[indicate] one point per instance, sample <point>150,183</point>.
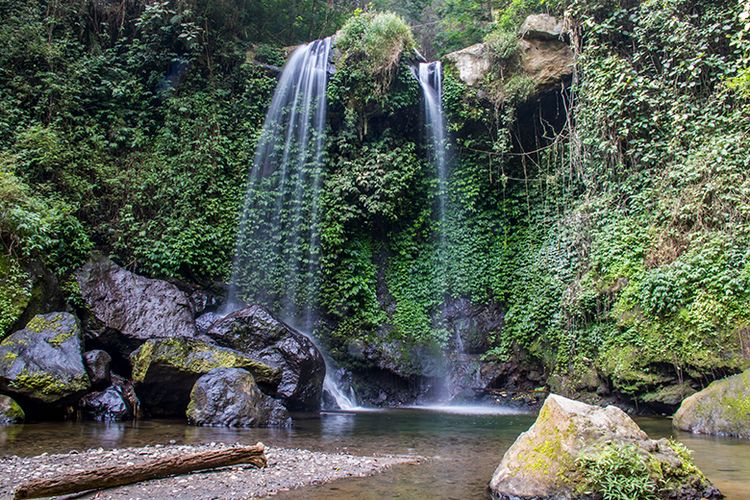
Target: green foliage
<point>619,473</point>
<point>372,43</point>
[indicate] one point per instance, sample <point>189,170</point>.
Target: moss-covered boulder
<point>10,411</point>
<point>44,362</point>
<point>165,370</point>
<point>229,397</point>
<point>722,408</point>
<point>575,450</point>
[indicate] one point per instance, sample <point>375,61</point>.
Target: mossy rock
<point>43,362</point>
<point>165,370</point>
<point>722,409</point>
<point>561,454</point>
<point>10,411</point>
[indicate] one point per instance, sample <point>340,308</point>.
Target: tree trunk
<point>107,477</point>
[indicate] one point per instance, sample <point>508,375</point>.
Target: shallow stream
<point>463,447</point>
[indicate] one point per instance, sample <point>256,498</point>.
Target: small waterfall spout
<point>276,259</point>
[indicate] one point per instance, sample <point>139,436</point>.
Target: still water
<point>463,447</point>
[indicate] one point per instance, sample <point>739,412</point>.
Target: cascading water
<point>430,79</point>
<point>277,252</point>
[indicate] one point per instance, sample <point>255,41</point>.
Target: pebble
<point>287,469</point>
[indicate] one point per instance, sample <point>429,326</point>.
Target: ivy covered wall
<point>606,226</point>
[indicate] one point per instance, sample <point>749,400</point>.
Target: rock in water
<point>116,402</point>
<point>575,450</point>
<point>230,397</point>
<point>165,370</point>
<point>722,408</point>
<point>43,362</point>
<point>98,367</point>
<point>10,411</point>
<point>128,309</point>
<point>254,331</point>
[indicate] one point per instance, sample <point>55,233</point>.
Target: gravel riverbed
<point>287,469</point>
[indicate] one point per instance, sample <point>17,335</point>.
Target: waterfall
<point>430,79</point>
<point>276,259</point>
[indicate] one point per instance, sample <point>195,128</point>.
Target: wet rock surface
<point>165,370</point>
<point>115,403</point>
<point>126,309</point>
<point>230,397</point>
<point>561,456</point>
<point>10,411</point>
<point>721,409</point>
<point>43,362</point>
<point>254,331</point>
<point>287,469</point>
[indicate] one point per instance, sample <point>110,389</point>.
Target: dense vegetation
<point>617,250</point>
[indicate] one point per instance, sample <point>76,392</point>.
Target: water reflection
<point>462,449</point>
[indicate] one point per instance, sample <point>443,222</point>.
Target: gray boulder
<point>98,365</point>
<point>43,362</point>
<point>126,309</point>
<point>722,409</point>
<point>472,63</point>
<point>165,370</point>
<point>230,397</point>
<point>115,403</point>
<point>575,450</point>
<point>254,331</point>
<point>544,55</point>
<point>10,411</point>
<point>542,27</point>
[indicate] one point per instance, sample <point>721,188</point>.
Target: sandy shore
<point>287,469</point>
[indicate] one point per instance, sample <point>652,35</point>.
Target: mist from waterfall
<point>278,246</point>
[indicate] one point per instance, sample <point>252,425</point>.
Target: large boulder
<point>575,450</point>
<point>43,362</point>
<point>722,408</point>
<point>254,331</point>
<point>10,411</point>
<point>544,54</point>
<point>165,370</point>
<point>126,309</point>
<point>230,397</point>
<point>472,63</point>
<point>115,403</point>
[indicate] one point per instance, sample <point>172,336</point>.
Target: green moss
<point>15,291</point>
<point>15,411</point>
<point>46,386</point>
<point>194,357</point>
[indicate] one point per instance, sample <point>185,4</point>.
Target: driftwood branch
<point>108,477</point>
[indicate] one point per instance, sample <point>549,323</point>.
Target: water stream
<point>462,447</point>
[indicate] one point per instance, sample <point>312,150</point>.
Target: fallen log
<point>108,477</point>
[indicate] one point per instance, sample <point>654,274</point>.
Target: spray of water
<point>277,253</point>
